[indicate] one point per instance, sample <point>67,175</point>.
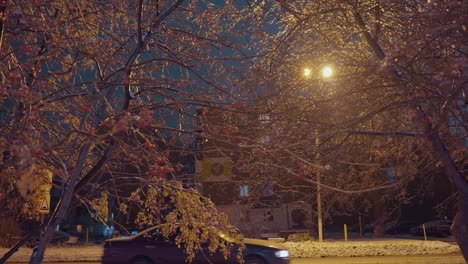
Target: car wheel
<point>141,260</point>
<point>444,234</point>
<point>254,260</point>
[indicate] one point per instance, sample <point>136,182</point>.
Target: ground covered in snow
<point>369,248</point>
<point>387,247</point>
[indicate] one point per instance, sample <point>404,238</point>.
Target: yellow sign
<point>45,205</point>
<point>215,169</point>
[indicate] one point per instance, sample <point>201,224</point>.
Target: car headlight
<point>282,254</point>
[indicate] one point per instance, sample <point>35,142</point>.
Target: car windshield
<point>151,230</point>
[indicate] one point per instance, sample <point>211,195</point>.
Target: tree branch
<point>385,133</point>
<point>92,173</point>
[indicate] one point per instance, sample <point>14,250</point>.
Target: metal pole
<point>319,198</point>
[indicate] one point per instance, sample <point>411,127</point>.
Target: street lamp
<point>326,73</point>
<point>319,197</point>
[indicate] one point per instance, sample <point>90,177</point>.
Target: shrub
<point>10,230</point>
<point>299,237</point>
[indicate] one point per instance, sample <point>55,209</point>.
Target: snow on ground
<point>393,247</point>
<point>59,254</point>
<point>369,248</point>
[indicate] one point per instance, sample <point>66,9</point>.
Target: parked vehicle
<point>437,228</point>
<point>147,247</point>
<point>403,227</point>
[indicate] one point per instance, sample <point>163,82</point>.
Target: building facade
<point>261,202</point>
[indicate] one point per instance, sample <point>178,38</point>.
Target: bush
<point>299,237</point>
<point>10,230</point>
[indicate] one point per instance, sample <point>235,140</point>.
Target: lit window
<point>264,118</point>
<point>244,191</point>
<point>266,139</point>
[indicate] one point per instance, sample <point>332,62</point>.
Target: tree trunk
<point>38,255</point>
<point>379,220</point>
<point>460,224</point>
<point>379,212</point>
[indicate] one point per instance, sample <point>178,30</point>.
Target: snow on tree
<point>399,71</point>
<point>91,88</point>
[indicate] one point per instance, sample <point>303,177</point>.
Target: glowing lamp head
<point>307,72</point>
<point>327,72</point>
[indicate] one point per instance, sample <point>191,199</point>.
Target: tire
<point>254,260</point>
<point>141,260</point>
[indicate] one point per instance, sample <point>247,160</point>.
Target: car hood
<point>264,243</point>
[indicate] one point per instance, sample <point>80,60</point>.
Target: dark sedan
<point>437,228</point>
<point>147,247</point>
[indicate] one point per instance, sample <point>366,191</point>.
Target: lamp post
<point>319,197</point>
<point>327,72</point>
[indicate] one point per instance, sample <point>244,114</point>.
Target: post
<point>87,234</point>
<point>319,198</point>
<point>42,224</point>
<point>424,232</point>
<point>345,227</point>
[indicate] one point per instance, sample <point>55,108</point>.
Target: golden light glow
<point>327,72</point>
<point>307,72</point>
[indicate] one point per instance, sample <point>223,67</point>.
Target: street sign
<point>45,208</point>
<point>44,200</point>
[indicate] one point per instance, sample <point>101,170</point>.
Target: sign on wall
<point>214,169</point>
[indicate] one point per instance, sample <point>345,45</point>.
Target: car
<point>437,228</point>
<point>147,247</point>
<point>402,227</point>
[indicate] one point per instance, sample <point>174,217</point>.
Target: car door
<point>205,257</point>
<point>161,250</point>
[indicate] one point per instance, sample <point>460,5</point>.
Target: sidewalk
<point>90,253</point>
